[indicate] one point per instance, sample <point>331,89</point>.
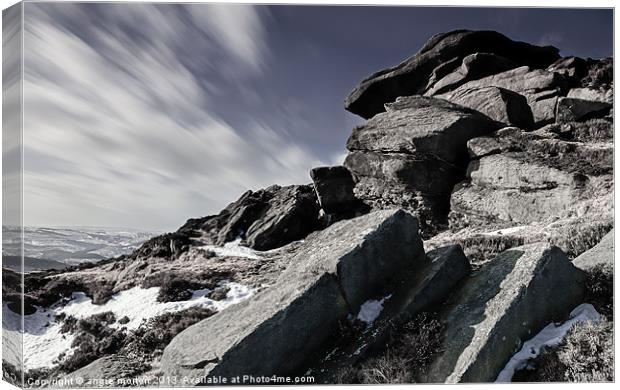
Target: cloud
<point>551,39</point>
<point>118,130</point>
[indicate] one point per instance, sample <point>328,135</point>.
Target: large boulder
<point>264,219</point>
<point>411,76</point>
<point>412,155</point>
<point>336,271</point>
<point>601,254</point>
<point>500,104</point>
<point>506,302</point>
<point>334,189</point>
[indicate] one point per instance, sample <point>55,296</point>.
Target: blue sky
<point>145,115</point>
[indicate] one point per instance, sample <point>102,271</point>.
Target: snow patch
<point>232,249</point>
<point>552,335</point>
<point>502,232</point>
<point>43,341</point>
<point>371,309</point>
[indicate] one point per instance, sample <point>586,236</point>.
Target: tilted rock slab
<point>505,303</point>
<point>412,75</point>
<point>279,329</point>
<point>601,254</point>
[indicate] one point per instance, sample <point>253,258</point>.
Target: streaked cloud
<point>118,126</point>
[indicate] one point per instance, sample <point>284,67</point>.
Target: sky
<point>145,115</point>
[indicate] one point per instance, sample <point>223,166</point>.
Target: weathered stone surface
<point>601,254</point>
<point>597,95</point>
<point>412,155</point>
<point>543,106</point>
<point>559,171</point>
<point>572,109</point>
<point>509,188</point>
<point>424,125</point>
<point>474,66</point>
<point>499,104</point>
<point>522,80</point>
<point>483,146</point>
<point>424,173</point>
<point>411,76</point>
<point>337,270</point>
<point>507,301</point>
<point>265,219</point>
<point>334,188</point>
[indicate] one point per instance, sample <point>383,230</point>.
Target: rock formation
<point>485,165</point>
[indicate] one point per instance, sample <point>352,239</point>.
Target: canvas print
<point>224,194</point>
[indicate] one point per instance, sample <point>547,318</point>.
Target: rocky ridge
<point>484,167</point>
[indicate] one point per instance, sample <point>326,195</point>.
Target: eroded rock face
<point>500,104</point>
<point>525,177</point>
<point>264,219</point>
<point>506,302</point>
<point>412,155</point>
<point>336,271</point>
<point>412,75</point>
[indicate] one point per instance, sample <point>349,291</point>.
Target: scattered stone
<point>219,293</point>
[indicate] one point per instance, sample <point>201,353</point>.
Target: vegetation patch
<point>408,353</point>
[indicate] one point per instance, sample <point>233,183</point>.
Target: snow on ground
<point>551,335</point>
<point>509,230</point>
<point>43,341</point>
<point>371,309</point>
<point>233,248</point>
